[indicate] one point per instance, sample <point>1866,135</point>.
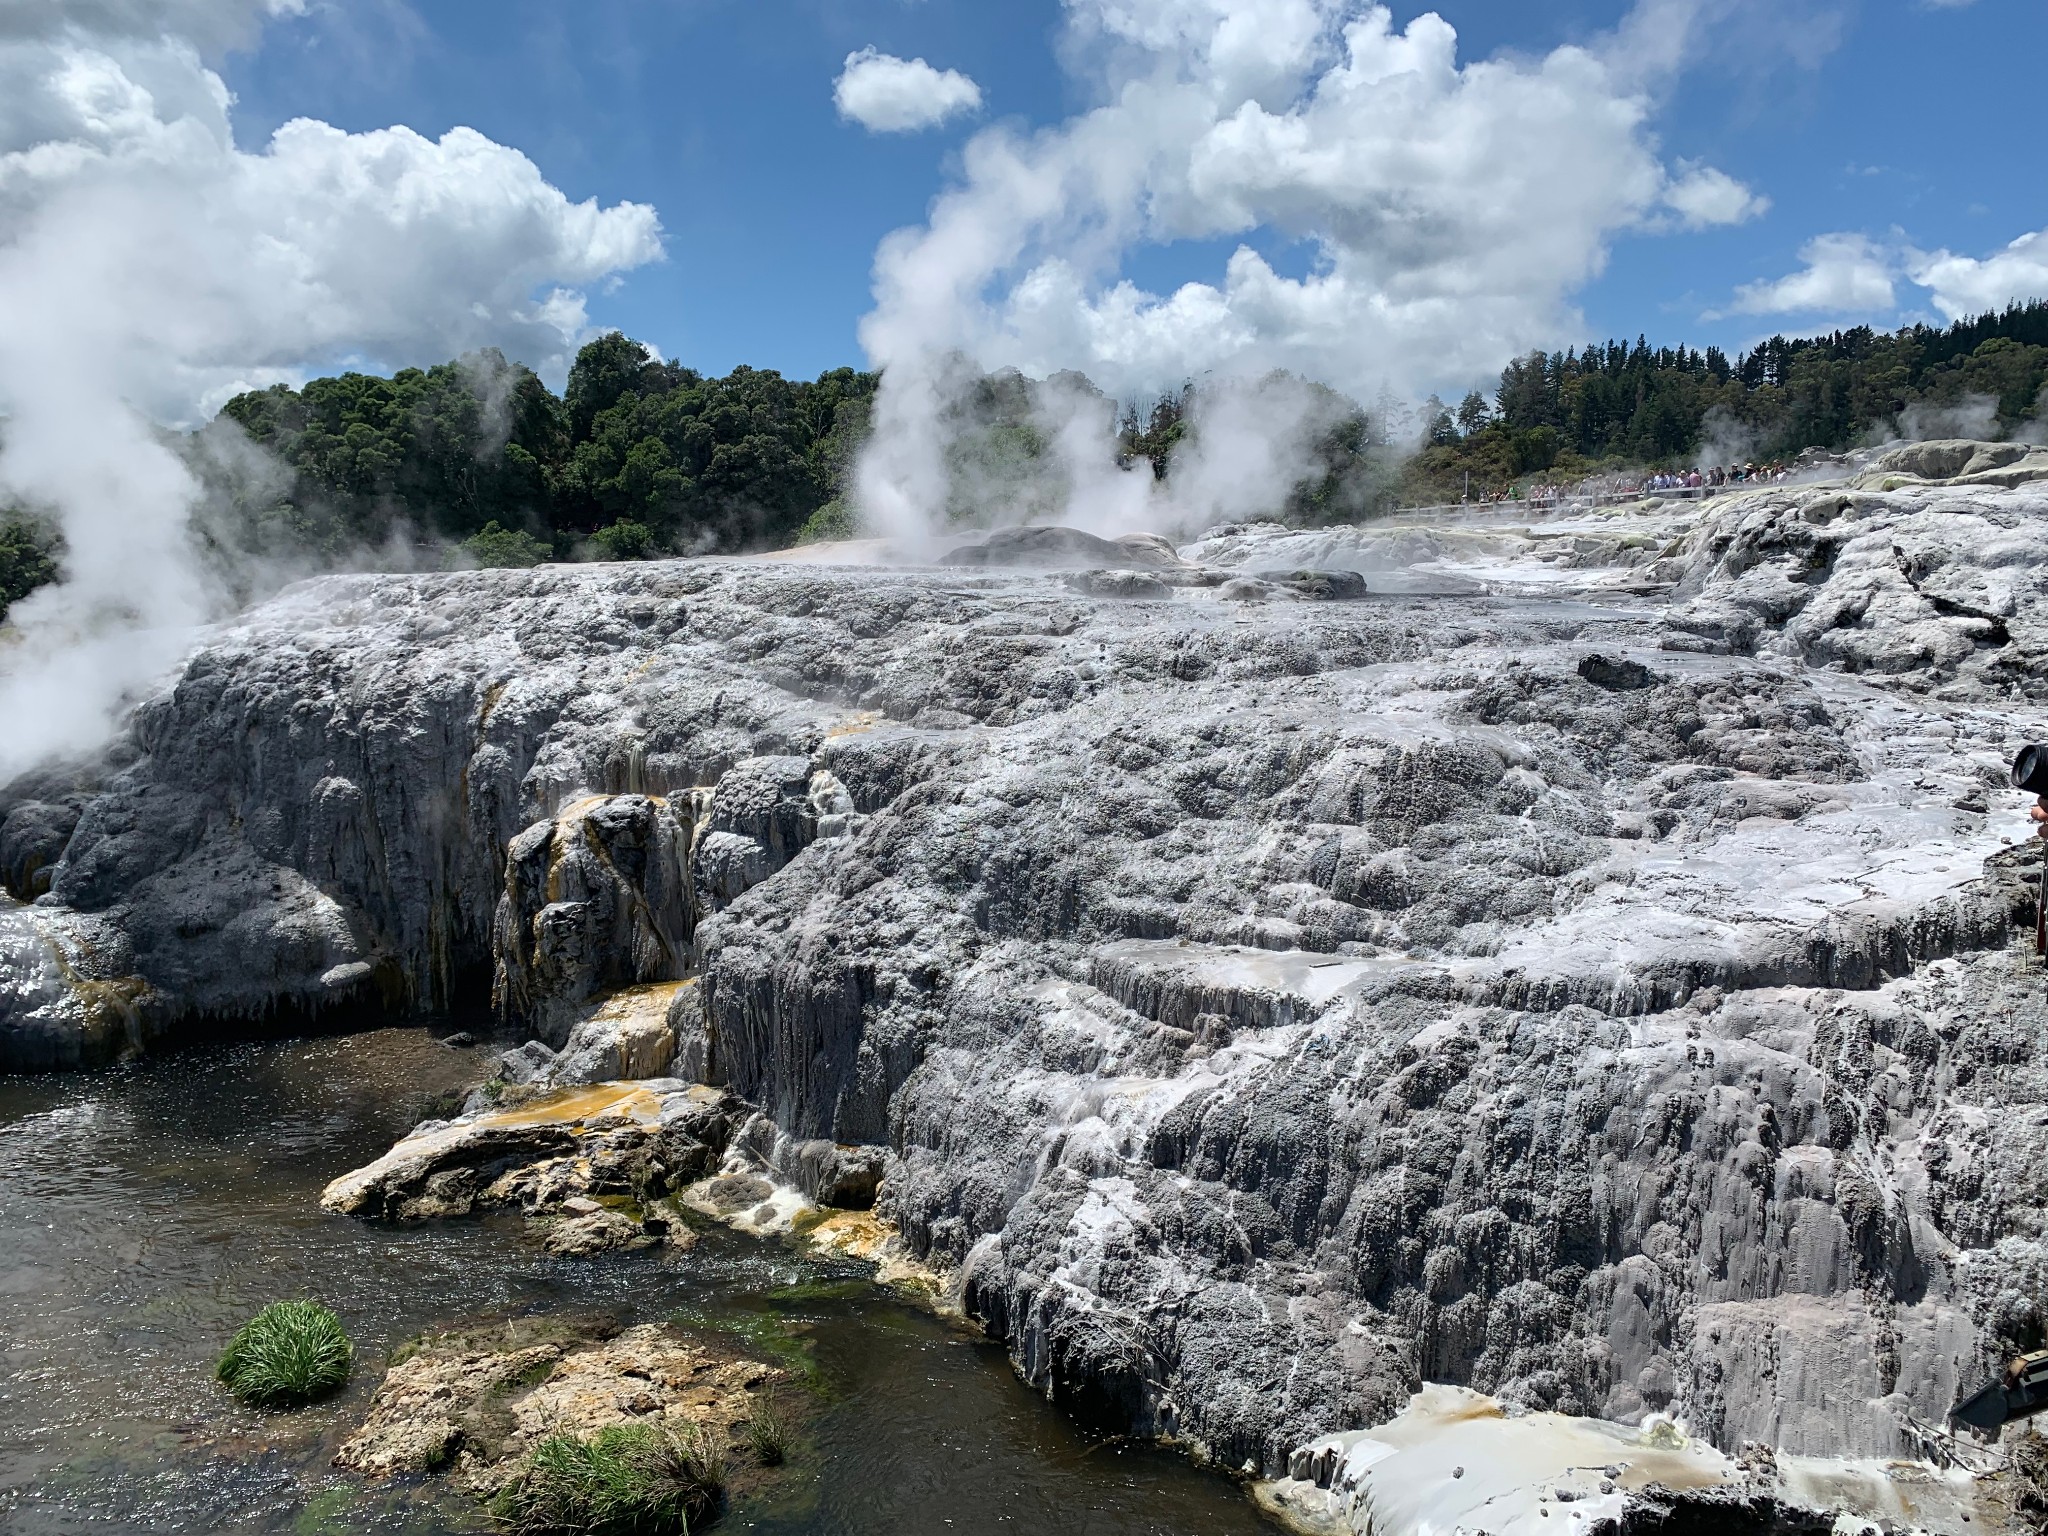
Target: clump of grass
<point>767,1434</point>
<point>289,1353</point>
<point>630,1480</point>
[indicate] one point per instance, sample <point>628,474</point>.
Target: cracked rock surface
<point>1581,969</point>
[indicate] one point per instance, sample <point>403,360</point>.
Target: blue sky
<point>1914,124</point>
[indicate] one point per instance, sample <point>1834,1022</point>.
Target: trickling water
<point>145,1213</point>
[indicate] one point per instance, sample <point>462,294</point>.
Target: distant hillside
<point>1564,413</point>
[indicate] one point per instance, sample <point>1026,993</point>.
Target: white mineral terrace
<point>1585,967</point>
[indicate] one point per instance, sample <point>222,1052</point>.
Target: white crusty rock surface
<point>1583,970</point>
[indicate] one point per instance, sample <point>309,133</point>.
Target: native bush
<point>492,545</point>
<point>289,1353</point>
<point>629,1480</point>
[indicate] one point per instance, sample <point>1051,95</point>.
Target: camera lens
<point>2030,769</point>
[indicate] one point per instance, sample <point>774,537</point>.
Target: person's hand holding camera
<point>2030,771</point>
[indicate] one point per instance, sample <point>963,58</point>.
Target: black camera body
<point>2030,769</point>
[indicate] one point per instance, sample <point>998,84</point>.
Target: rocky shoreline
<point>1587,977</point>
<point>476,1405</point>
<point>627,1165</point>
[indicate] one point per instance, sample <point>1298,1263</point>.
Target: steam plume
<point>1422,190</point>
<point>152,268</point>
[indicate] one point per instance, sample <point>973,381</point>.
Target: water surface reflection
<point>144,1213</point>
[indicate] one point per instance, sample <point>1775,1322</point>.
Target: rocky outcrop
<point>1055,547</point>
<point>631,1034</point>
<point>476,1403</point>
<point>1577,970</point>
<point>597,898</point>
<point>1961,461</point>
<point>592,1168</point>
<point>606,894</point>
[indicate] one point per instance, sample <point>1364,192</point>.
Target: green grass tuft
<point>767,1434</point>
<point>631,1480</point>
<point>289,1353</point>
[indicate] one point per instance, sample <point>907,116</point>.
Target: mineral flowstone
<point>1581,968</point>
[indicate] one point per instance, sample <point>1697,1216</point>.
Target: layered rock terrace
<point>1586,968</point>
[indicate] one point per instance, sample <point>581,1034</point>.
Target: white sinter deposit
<point>1584,969</point>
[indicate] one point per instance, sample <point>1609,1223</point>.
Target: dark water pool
<point>145,1213</point>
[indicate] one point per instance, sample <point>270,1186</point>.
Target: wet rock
<point>827,1173</point>
<point>631,1034</point>
<point>66,996</point>
<point>1616,675</point>
<point>589,1167</point>
<point>734,1192</point>
<point>425,1407</point>
<point>1123,584</point>
<point>528,1063</point>
<point>1246,589</point>
<point>578,1234</point>
<point>443,1170</point>
<point>476,1403</point>
<point>33,836</point>
<point>1323,585</point>
<point>845,1177</point>
<point>641,1032</point>
<point>596,899</point>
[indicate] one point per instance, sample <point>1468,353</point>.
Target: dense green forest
<point>1612,405</point>
<point>639,457</point>
<point>636,456</point>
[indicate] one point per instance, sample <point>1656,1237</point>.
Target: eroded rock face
<point>1585,979</point>
<point>597,898</point>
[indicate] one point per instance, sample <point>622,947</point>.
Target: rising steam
<point>149,268</point>
<point>1422,192</point>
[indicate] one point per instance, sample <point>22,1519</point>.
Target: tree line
<point>640,457</point>
<point>637,456</point>
<point>1611,404</point>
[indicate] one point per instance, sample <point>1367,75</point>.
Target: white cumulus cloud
<point>1421,189</point>
<point>150,265</point>
<point>885,94</point>
<point>1844,274</point>
<point>1847,273</point>
<point>1437,213</point>
<point>1969,285</point>
<point>1702,196</point>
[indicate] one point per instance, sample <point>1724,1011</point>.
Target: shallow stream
<point>144,1213</point>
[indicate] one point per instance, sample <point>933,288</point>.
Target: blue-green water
<point>145,1212</point>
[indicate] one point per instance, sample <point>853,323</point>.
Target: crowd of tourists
<point>1713,479</point>
<point>1673,482</point>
